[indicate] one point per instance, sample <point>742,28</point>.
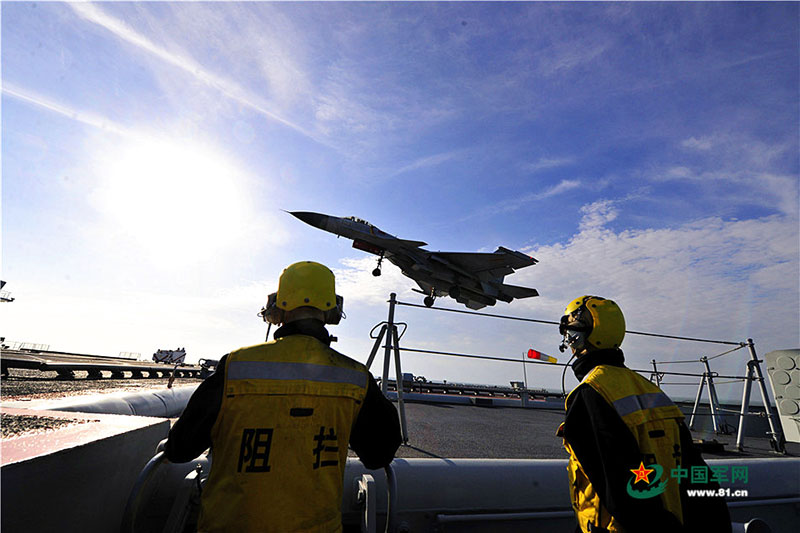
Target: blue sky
<point>646,152</point>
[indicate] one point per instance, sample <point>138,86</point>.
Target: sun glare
<point>181,202</point>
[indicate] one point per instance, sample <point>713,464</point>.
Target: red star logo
<point>642,474</point>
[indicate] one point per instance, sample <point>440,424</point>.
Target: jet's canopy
<point>360,220</point>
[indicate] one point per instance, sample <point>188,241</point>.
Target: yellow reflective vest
<point>653,419</point>
<point>279,444</point>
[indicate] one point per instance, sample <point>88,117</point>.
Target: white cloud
<point>597,214</point>
<point>514,204</point>
<point>678,173</point>
<point>739,151</point>
<point>86,117</point>
<point>561,187</point>
<point>354,281</point>
<point>744,188</point>
<point>428,161</point>
<point>569,55</point>
<point>782,190</point>
<point>725,280</point>
<point>702,143</point>
<point>545,163</point>
<point>561,49</point>
<point>185,63</point>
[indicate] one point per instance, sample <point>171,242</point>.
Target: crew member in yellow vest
<point>626,439</point>
<point>279,416</point>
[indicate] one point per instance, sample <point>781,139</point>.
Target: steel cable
<point>741,345</point>
<point>551,322</point>
<point>472,356</point>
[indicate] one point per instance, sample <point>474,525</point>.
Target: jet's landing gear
<point>428,301</point>
<point>377,271</point>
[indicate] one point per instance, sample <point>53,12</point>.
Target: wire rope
<point>492,358</point>
<point>551,322</point>
<point>741,345</point>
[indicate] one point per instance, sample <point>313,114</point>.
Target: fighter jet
<point>472,279</point>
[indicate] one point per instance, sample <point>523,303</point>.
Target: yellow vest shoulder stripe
<point>635,399</point>
<point>298,364</point>
<point>241,370</point>
<point>640,402</point>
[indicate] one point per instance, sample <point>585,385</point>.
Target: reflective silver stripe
<point>640,402</point>
<point>238,370</point>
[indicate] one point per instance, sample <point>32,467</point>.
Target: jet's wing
<point>424,288</point>
<point>412,244</point>
<point>498,263</point>
<point>389,242</point>
<point>516,291</point>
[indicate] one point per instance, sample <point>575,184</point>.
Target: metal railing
<point>34,346</point>
<point>392,349</point>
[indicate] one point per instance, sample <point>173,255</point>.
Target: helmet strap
<point>576,340</point>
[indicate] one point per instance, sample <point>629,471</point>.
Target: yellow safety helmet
<point>600,320</point>
<point>306,284</point>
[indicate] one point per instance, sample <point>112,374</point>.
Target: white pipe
<point>163,403</point>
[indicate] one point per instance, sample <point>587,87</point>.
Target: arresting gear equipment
<point>438,496</point>
<point>153,486</point>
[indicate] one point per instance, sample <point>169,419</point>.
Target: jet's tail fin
<point>516,259</point>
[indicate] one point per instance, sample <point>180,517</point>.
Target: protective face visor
<point>574,331</point>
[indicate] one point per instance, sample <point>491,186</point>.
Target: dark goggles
<point>567,325</point>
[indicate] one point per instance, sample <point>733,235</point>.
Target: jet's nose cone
<point>314,219</point>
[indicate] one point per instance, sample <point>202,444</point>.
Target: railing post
<point>713,404</point>
<point>376,346</point>
<point>400,381</point>
<point>524,372</point>
<point>655,374</point>
<point>776,435</point>
<point>745,406</point>
<point>697,401</point>
<point>388,346</point>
